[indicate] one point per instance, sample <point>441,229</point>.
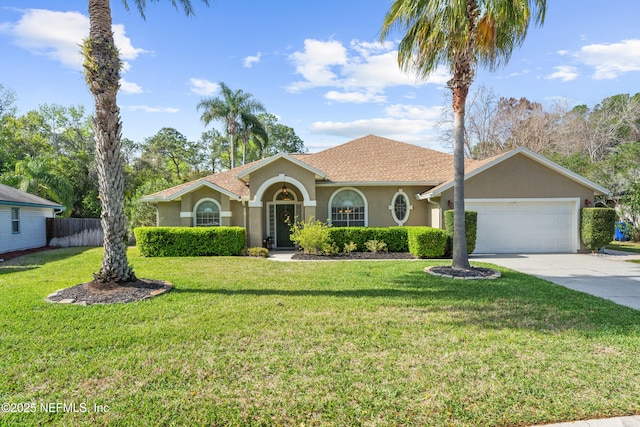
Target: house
<point>525,202</point>
<point>23,219</point>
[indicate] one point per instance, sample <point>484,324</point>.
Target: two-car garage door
<point>525,225</point>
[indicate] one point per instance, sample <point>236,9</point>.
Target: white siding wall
<point>33,233</point>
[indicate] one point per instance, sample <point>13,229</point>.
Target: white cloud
<point>250,60</point>
<point>59,35</point>
<point>363,70</point>
<point>611,60</point>
<point>203,87</point>
<point>315,63</point>
<point>129,87</point>
<point>354,97</point>
<point>415,112</point>
<point>565,73</point>
<point>148,109</point>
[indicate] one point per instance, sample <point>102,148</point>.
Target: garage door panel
<point>516,226</point>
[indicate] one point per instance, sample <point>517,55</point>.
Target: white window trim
<point>17,220</point>
<point>293,193</point>
<point>364,199</point>
<point>400,221</point>
<point>199,202</point>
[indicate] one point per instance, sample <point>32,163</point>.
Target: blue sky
<point>316,64</point>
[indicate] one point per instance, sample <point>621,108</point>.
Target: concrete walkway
<point>607,422</point>
<point>606,275</point>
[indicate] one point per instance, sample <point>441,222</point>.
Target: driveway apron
<point>603,275</point>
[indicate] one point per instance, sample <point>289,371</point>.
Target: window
<point>348,209</point>
<point>207,214</point>
<point>15,220</point>
<point>400,207</point>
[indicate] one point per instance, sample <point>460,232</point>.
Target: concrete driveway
<point>606,275</point>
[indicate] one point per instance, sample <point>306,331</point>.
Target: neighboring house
<point>23,219</point>
<point>525,203</point>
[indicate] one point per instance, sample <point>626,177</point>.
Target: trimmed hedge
<point>471,230</point>
<point>597,227</point>
<point>426,242</point>
<point>394,237</point>
<point>190,241</point>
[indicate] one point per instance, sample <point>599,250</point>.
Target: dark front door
<point>284,213</point>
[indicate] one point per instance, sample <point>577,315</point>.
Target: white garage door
<point>526,225</point>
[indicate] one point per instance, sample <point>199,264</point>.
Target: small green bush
<point>258,252</point>
<point>470,226</point>
<point>597,227</point>
<point>349,247</point>
<point>376,246</point>
<point>311,235</point>
<point>190,241</point>
<point>426,242</point>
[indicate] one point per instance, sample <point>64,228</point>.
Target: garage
<point>526,225</point>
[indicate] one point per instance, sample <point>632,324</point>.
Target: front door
<point>284,213</point>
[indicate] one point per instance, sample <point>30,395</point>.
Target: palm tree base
<point>473,273</point>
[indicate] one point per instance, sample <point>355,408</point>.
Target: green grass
<point>249,341</point>
<point>624,246</point>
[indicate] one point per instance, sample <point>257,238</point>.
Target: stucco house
<point>23,219</point>
<point>525,202</point>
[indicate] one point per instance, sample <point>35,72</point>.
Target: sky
<point>318,65</point>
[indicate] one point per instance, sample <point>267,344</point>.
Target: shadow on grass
<point>38,259</point>
<point>516,301</point>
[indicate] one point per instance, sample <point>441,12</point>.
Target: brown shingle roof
<point>376,159</point>
<point>367,159</point>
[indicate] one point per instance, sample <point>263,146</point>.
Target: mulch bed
<point>15,254</point>
<point>110,293</point>
<point>455,273</point>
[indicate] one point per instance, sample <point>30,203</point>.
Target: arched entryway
<point>281,212</point>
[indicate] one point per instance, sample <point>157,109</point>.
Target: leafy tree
<point>102,71</point>
<point>37,176</point>
<point>281,138</point>
<point>233,108</point>
<point>460,35</point>
<point>171,149</point>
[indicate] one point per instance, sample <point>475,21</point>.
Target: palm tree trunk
<point>460,256</point>
<point>102,69</point>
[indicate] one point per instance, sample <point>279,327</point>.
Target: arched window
<point>348,208</point>
<point>400,207</point>
<point>207,213</point>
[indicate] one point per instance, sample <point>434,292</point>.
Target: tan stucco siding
<point>169,214</point>
<point>522,177</point>
<point>379,198</point>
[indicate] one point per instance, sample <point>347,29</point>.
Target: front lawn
<point>249,341</point>
<point>624,246</point>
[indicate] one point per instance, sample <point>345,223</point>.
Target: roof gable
<point>477,167</point>
<point>245,175</point>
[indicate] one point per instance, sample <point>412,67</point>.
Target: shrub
<point>597,227</point>
<point>258,252</point>
<point>349,247</point>
<point>311,235</point>
<point>190,241</point>
<point>394,237</point>
<point>471,230</point>
<point>426,242</point>
<point>376,246</point>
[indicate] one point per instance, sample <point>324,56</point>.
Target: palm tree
<point>250,125</point>
<point>459,34</point>
<point>37,176</point>
<point>232,108</point>
<point>102,71</point>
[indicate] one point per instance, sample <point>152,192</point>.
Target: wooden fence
<point>65,232</point>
